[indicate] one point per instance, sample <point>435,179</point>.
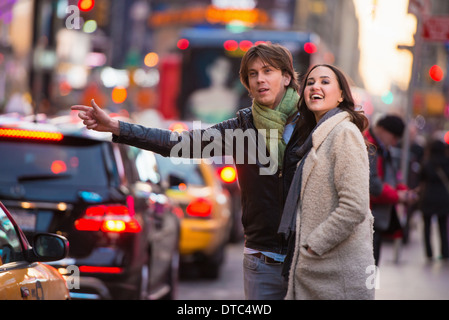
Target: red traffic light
<point>310,47</point>
<point>86,5</point>
<point>436,73</point>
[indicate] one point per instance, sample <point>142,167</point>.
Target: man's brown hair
<point>271,54</point>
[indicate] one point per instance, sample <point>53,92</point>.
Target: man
<point>267,72</point>
<point>386,192</point>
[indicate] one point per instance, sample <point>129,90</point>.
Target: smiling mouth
<point>316,97</point>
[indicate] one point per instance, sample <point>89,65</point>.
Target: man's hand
<point>95,118</point>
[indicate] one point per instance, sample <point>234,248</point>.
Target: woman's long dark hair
<point>307,121</point>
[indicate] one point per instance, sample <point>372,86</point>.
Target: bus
<point>200,81</point>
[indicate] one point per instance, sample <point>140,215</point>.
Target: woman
<point>331,221</point>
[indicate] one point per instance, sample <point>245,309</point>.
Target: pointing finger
<point>81,108</point>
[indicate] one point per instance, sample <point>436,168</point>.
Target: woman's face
<point>322,91</point>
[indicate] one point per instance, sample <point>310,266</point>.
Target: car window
<point>10,248</point>
<point>52,164</point>
<point>187,169</point>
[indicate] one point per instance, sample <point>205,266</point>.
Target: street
<point>410,277</point>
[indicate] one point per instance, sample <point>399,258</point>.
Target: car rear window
<point>52,163</point>
<point>187,169</point>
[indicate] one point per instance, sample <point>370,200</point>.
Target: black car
<point>107,199</point>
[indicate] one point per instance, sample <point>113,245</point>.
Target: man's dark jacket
<point>263,196</point>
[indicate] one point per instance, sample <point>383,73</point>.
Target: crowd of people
<point>315,224</point>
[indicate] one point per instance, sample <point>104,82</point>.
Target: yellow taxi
<point>206,217</point>
<point>23,276</point>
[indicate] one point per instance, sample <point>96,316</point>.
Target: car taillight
<point>228,174</point>
<point>30,134</point>
<point>96,269</point>
<point>200,207</point>
<point>109,218</point>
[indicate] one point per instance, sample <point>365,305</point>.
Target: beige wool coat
<point>334,217</point>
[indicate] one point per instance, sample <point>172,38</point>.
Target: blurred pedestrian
<point>416,153</point>
<point>267,73</point>
<point>385,189</point>
<point>327,207</point>
<point>434,195</point>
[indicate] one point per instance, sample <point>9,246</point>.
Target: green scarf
<point>266,118</point>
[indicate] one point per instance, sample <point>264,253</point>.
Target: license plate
<point>25,219</point>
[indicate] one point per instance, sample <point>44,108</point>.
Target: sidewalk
<point>411,276</point>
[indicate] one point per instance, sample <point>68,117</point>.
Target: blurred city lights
<point>119,94</point>
<point>151,59</point>
<point>183,44</point>
<point>237,26</point>
<point>230,45</point>
<point>114,77</point>
<point>77,77</point>
<point>58,166</point>
<point>244,45</point>
<point>90,26</point>
<point>86,5</point>
<point>436,73</point>
<point>310,47</point>
<point>146,79</point>
<point>387,97</point>
<point>446,137</point>
<point>64,88</point>
<point>96,59</point>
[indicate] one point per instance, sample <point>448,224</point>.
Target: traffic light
<point>86,5</point>
<point>436,73</point>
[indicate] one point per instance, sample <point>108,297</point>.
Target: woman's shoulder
<point>346,131</point>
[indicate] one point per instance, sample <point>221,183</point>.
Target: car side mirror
<point>48,247</point>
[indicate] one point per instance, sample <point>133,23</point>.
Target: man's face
<point>267,84</point>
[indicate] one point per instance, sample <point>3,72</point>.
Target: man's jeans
<point>263,281</point>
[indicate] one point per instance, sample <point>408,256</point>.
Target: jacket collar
<point>326,127</point>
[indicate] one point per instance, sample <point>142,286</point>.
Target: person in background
<point>268,74</point>
<point>327,214</point>
<point>434,195</point>
<point>385,189</point>
<point>416,153</point>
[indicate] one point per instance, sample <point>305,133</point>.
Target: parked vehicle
<point>19,260</point>
<point>206,217</point>
<point>227,174</point>
<point>123,232</point>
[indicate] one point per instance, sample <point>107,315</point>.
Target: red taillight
<point>228,174</point>
<point>200,207</point>
<point>94,269</point>
<point>84,224</point>
<point>30,134</point>
<point>113,218</point>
